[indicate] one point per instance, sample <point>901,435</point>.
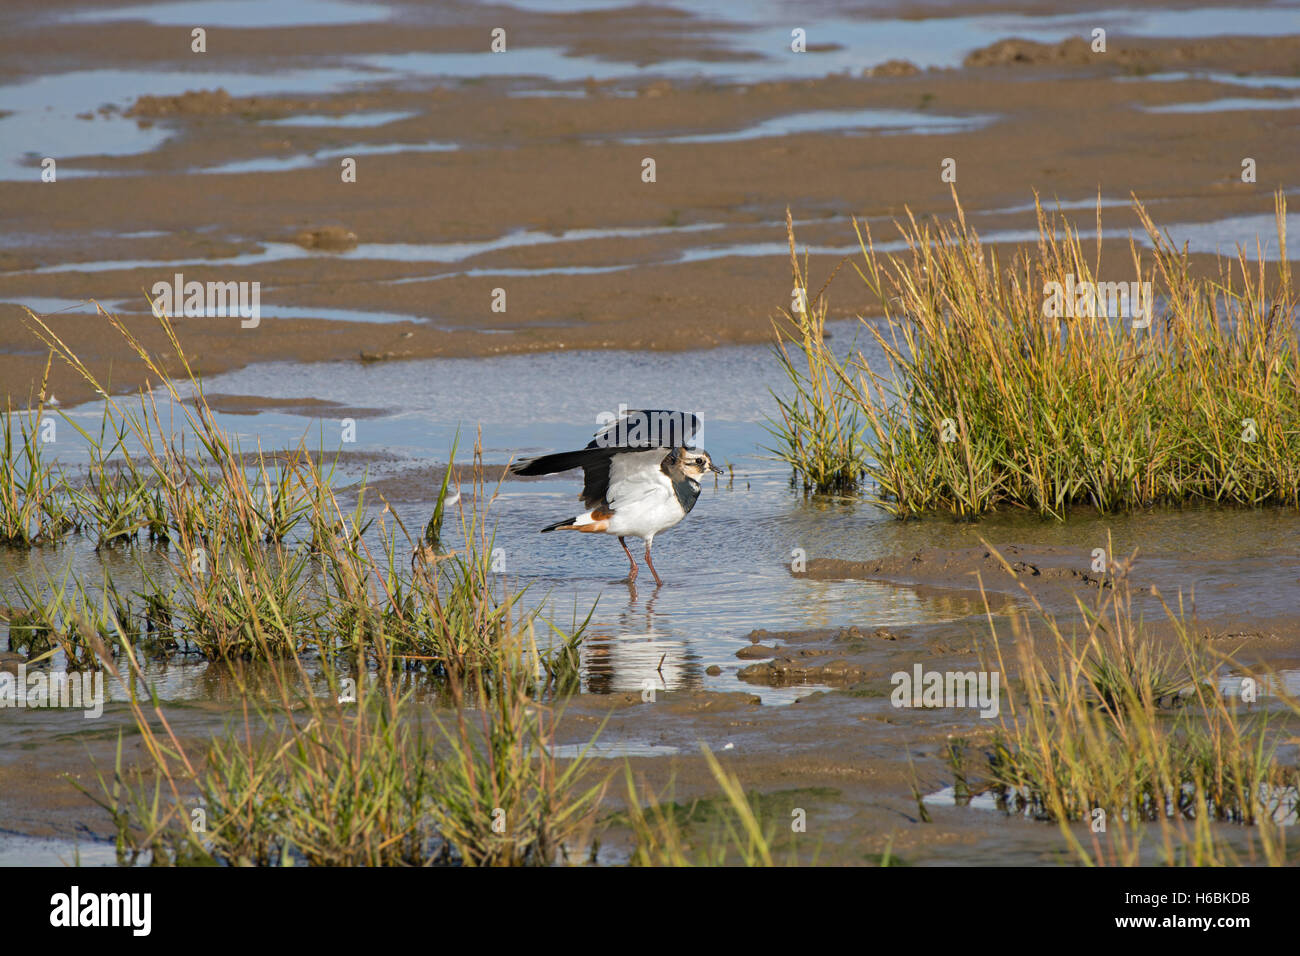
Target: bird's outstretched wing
<point>649,428</point>
<point>629,450</point>
<point>635,476</point>
<point>601,467</point>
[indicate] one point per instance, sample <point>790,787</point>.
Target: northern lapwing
<point>641,475</point>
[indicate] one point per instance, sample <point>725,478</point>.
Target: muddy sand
<point>541,196</point>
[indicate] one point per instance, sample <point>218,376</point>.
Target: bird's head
<point>695,463</point>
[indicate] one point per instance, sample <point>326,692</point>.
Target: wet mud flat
<point>531,161</point>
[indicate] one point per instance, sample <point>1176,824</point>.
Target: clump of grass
<point>32,628</point>
<point>356,776</point>
<point>279,502</point>
<point>663,834</point>
<point>246,602</point>
<point>982,402</point>
<point>457,635</point>
<point>64,616</point>
<point>433,530</point>
<point>115,498</point>
<point>818,433</point>
<point>1124,668</point>
<point>1142,741</point>
<point>34,505</point>
<point>324,788</point>
<point>504,799</point>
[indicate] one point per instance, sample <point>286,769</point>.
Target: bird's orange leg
<point>658,582</point>
<point>631,575</point>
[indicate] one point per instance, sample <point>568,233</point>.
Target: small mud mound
<point>894,68</point>
<point>220,103</point>
<point>783,671</point>
<point>307,407</point>
<point>190,103</point>
<point>1142,56</point>
<point>1042,570</point>
<point>852,635</point>
<point>333,238</point>
<point>1015,51</point>
<point>783,664</point>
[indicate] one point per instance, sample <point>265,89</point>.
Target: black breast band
<point>687,491</point>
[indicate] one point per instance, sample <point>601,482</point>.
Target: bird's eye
<point>699,461</point>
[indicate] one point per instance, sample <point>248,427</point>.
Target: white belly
<point>648,515</point>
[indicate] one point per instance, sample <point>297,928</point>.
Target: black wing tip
<point>558,462</point>
<point>541,465</point>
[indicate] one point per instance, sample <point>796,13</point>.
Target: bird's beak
<point>714,468</point>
